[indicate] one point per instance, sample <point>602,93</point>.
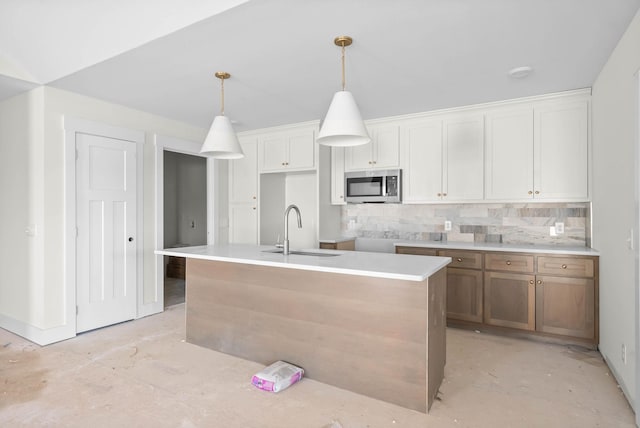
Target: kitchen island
<point>370,323</point>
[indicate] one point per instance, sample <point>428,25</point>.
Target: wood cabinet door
<point>463,159</point>
<point>509,300</point>
<point>422,161</point>
<point>509,151</point>
<point>464,294</point>
<point>561,151</point>
<point>565,306</point>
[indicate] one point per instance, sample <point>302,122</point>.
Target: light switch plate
<point>447,226</point>
<point>559,228</point>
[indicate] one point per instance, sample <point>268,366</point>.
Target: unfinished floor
<point>142,373</point>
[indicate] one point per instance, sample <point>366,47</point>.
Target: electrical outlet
<point>447,226</point>
<point>559,228</point>
<point>624,354</point>
<point>552,231</point>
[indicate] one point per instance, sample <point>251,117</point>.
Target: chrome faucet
<point>285,244</point>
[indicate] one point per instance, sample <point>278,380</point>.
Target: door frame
<point>73,126</point>
<point>178,145</point>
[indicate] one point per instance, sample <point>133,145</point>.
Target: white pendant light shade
<point>222,142</point>
<point>343,125</point>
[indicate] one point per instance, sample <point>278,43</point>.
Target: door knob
<point>131,239</point>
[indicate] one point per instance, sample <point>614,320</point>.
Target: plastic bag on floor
<point>278,376</point>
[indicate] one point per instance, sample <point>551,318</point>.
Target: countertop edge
<point>302,266</point>
<point>499,247</point>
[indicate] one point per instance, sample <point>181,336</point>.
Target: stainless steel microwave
<point>373,186</point>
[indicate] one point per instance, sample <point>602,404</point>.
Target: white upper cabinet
<point>509,162</point>
<point>243,194</point>
<point>292,150</point>
<point>560,168</point>
<point>463,158</point>
<point>538,151</point>
<point>443,159</point>
<point>422,161</point>
<point>337,176</point>
<point>382,152</point>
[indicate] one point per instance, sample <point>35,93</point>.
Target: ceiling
<point>408,56</point>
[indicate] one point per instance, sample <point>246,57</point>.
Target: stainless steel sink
<point>302,253</point>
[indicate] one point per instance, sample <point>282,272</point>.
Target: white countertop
<point>380,265</point>
<point>336,240</point>
<point>512,248</point>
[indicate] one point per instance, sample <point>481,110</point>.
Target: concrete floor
<point>142,373</point>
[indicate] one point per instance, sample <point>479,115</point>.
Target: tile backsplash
<point>516,223</point>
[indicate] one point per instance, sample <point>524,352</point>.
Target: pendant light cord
<point>343,75</point>
<point>222,97</point>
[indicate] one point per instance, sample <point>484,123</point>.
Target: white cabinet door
<point>243,173</point>
<point>561,151</point>
<point>422,165</point>
<point>243,194</point>
<point>301,151</point>
<point>463,159</point>
<point>274,152</point>
<point>382,152</point>
<point>243,224</point>
<point>286,151</point>
<point>359,157</point>
<point>509,154</point>
<point>386,147</point>
<point>337,176</point>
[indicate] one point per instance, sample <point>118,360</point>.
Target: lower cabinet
<point>565,306</point>
<point>509,300</point>
<point>546,294</point>
<point>464,285</point>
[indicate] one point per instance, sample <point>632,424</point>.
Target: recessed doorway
<point>185,216</point>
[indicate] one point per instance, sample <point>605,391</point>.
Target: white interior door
<point>106,231</point>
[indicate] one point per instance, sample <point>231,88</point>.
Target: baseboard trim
<point>35,334</point>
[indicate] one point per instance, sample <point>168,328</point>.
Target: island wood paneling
<point>379,337</point>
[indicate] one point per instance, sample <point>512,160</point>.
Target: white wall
<point>614,140</point>
<point>37,117</point>
<point>18,160</point>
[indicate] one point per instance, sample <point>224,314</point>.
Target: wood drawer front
<point>566,266</point>
<point>463,259</point>
<point>509,262</point>
<point>419,251</point>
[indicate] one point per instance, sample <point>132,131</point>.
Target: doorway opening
<point>185,216</point>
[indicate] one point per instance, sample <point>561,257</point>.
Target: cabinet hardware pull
<point>254,197</point>
<point>530,192</point>
<point>444,194</point>
<point>439,194</point>
<point>564,266</point>
<point>539,281</point>
<point>531,281</point>
<point>459,259</point>
<point>254,208</point>
<point>537,192</point>
<point>508,262</point>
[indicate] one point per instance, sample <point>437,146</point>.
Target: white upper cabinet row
<point>536,149</point>
<point>538,152</point>
<point>293,150</point>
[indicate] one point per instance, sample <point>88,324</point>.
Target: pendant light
<point>222,142</point>
<point>343,125</point>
